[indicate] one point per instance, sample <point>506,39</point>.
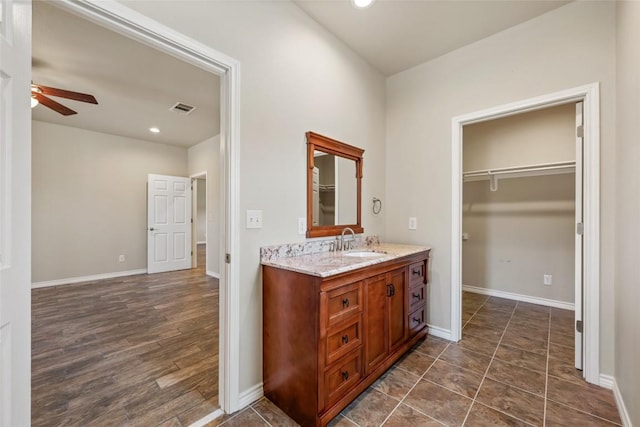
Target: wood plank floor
<point>139,350</point>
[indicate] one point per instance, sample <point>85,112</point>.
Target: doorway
<point>135,26</point>
<point>589,95</point>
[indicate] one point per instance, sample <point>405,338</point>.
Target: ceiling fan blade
<point>76,96</point>
<point>48,102</point>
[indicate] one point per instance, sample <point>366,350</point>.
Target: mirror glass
<point>333,186</point>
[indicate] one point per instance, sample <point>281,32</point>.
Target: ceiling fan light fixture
<point>154,130</point>
<point>361,4</point>
<point>34,102</point>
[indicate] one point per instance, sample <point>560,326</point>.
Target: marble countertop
<point>325,264</point>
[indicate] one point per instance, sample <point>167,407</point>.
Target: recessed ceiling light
<point>154,130</point>
<point>361,4</point>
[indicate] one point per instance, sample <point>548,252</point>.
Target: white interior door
<point>168,223</point>
<point>579,342</point>
<point>15,213</point>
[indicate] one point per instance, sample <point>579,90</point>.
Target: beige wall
<point>627,284</point>
<point>536,137</point>
<point>519,233</point>
<point>569,47</point>
<point>525,229</point>
<point>89,200</point>
<point>295,77</point>
<point>205,157</point>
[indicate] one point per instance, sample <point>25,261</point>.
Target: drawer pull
<point>416,319</point>
<point>345,338</point>
<point>345,375</point>
<point>416,296</point>
<point>417,272</point>
<point>345,302</point>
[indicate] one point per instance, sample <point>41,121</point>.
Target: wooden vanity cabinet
<point>385,319</point>
<point>325,340</point>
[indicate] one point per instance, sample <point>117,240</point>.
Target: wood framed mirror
<point>334,186</point>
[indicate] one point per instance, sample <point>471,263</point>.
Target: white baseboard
<point>606,381</point>
<point>622,409</point>
<point>518,297</point>
<point>251,395</point>
<point>72,280</point>
<point>439,332</point>
<point>206,420</point>
<point>245,399</point>
<point>213,274</point>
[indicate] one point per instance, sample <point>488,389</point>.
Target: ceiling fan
<point>40,95</point>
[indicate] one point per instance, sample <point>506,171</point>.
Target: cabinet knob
<point>345,338</point>
<point>345,375</point>
<point>416,319</point>
<point>345,302</point>
<point>416,296</point>
<point>417,272</point>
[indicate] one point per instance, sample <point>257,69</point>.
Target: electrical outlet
<point>548,279</point>
<point>413,223</point>
<point>254,219</point>
<point>302,225</point>
<point>465,236</point>
<point>122,258</point>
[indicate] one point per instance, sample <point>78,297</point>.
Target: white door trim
<point>194,215</point>
<point>119,18</point>
<point>590,95</point>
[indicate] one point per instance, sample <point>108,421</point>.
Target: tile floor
<point>514,366</point>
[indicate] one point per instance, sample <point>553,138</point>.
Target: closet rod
<point>557,167</point>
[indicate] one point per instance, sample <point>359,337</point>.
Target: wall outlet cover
<point>413,223</point>
<point>548,279</point>
<point>302,225</point>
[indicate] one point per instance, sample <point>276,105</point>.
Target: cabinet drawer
<point>339,378</point>
<point>416,297</point>
<point>344,302</point>
<point>342,339</point>
<point>418,273</point>
<point>416,320</point>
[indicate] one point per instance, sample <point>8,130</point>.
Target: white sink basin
<point>363,254</point>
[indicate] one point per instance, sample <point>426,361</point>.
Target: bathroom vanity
<point>334,321</point>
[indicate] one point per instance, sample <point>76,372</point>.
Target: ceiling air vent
<point>182,108</point>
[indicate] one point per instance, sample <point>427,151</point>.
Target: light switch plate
<point>302,225</point>
<point>254,219</point>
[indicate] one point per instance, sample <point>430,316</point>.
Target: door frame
<point>194,216</point>
<point>590,95</point>
<point>123,20</point>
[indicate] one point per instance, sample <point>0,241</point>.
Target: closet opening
<point>521,201</point>
<point>523,252</point>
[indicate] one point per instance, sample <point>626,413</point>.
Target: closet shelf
<point>521,171</point>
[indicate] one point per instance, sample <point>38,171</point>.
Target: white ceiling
<point>394,35</point>
<point>136,85</point>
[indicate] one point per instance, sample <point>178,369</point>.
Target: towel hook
<point>377,205</point>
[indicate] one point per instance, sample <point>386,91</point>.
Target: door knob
<point>151,229</point>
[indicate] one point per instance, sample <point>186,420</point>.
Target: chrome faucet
<point>342,245</point>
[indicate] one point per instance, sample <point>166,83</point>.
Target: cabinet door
<point>397,317</point>
<point>376,321</point>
